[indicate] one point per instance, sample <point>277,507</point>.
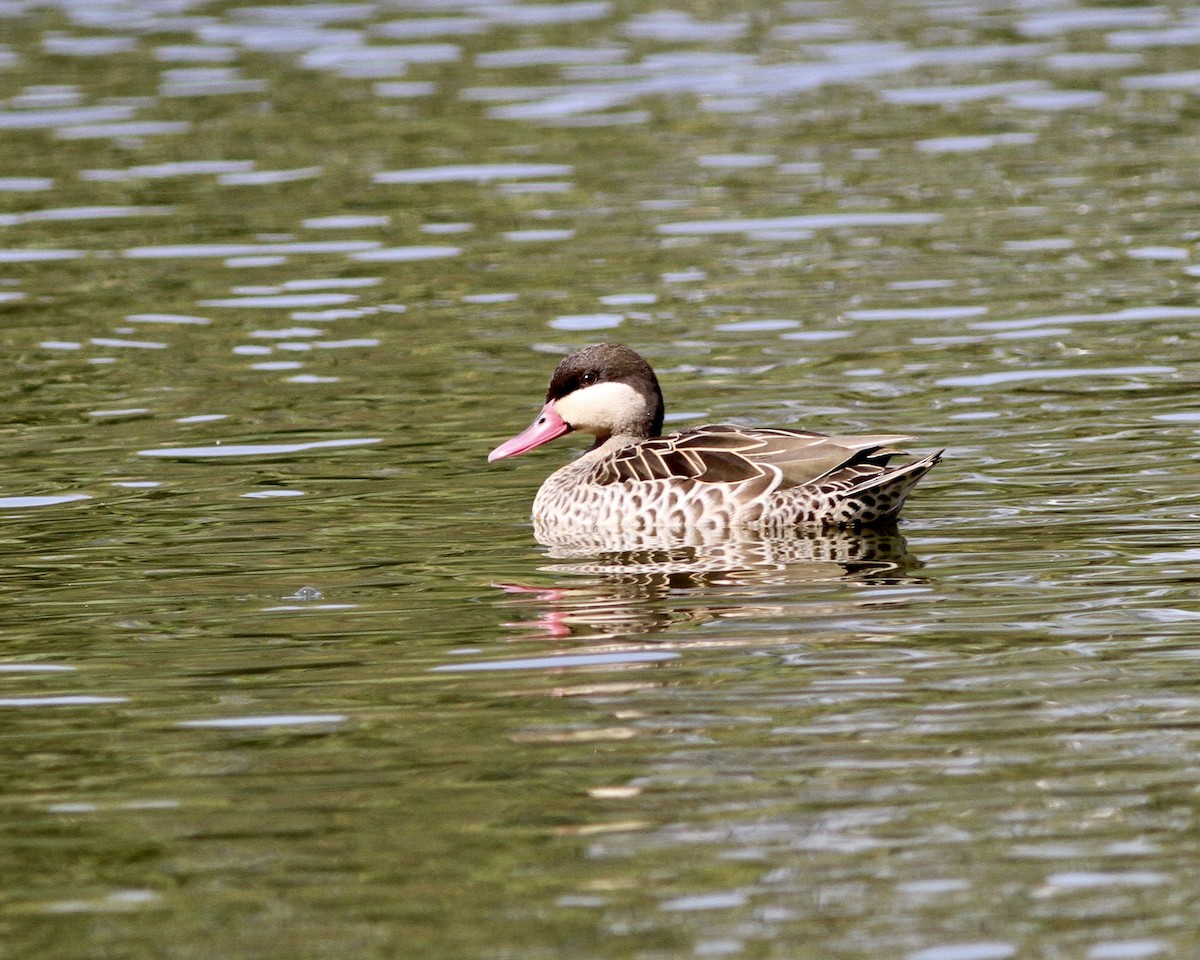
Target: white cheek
<point>602,408</point>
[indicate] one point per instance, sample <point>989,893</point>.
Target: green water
<point>283,671</point>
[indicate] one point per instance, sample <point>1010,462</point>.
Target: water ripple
<point>252,449</point>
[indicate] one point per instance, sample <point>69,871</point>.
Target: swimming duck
<point>720,476</point>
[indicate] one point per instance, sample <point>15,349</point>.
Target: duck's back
<point>724,475</point>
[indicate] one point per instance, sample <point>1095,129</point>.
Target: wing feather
<point>725,453</point>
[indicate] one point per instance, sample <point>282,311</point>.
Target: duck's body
<point>726,477</point>
<point>715,477</point>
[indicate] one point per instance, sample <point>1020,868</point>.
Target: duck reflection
<point>649,583</point>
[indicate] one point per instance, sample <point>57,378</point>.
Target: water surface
<point>284,672</point>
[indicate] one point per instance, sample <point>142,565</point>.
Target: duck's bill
<point>544,428</point>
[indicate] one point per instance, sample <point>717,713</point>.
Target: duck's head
<point>606,390</point>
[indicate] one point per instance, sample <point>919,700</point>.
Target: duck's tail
<point>879,498</point>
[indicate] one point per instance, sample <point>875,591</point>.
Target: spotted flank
<point>716,477</point>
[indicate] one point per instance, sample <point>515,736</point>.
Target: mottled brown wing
<point>709,457</point>
<point>807,458</point>
<point>722,453</point>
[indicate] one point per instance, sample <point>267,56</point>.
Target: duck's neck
<point>618,441</point>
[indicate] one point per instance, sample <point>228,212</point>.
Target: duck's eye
<point>588,379</point>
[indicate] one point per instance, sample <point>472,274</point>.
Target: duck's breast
<point>573,498</point>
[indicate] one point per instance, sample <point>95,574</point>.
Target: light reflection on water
<point>648,590</point>
<point>285,666</point>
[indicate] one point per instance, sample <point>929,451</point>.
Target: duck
<point>717,477</point>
